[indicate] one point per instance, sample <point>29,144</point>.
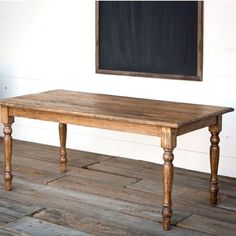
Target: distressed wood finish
<point>30,226</point>
<point>168,143</point>
<point>151,117</point>
<point>7,121</point>
<point>11,211</point>
<point>210,226</point>
<point>214,159</point>
<point>124,202</point>
<point>62,135</point>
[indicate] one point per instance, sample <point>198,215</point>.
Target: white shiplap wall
<point>51,44</point>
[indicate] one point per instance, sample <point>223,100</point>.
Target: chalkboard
<point>150,38</point>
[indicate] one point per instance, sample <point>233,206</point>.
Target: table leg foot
<point>63,154</point>
<point>8,180</point>
<point>213,198</point>
<point>63,168</point>
<point>166,213</point>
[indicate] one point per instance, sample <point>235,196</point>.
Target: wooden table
<point>159,118</point>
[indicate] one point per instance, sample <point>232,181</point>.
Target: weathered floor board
<point>121,225</point>
<point>11,232</point>
<point>229,204</point>
<point>11,211</point>
<point>104,195</point>
<point>211,226</point>
<point>32,226</point>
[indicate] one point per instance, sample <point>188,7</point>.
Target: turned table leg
<point>62,135</point>
<point>7,147</point>
<point>214,159</point>
<point>168,143</point>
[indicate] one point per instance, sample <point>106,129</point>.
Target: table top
<point>117,108</point>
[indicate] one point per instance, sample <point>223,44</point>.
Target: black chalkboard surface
<point>150,38</point>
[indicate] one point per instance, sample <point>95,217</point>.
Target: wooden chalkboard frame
<point>199,64</point>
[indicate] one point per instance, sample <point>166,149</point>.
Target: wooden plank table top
<point>112,108</point>
<point>152,117</point>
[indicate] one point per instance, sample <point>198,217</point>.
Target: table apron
<point>209,121</point>
<point>123,126</point>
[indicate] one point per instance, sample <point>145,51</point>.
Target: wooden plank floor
<point>105,195</point>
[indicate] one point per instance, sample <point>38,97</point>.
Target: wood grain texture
<point>7,121</point>
<point>210,226</point>
<point>49,154</point>
<point>189,186</point>
<point>152,117</point>
<point>229,203</point>
<point>107,226</point>
<point>11,211</point>
<point>168,143</point>
<point>63,154</point>
<point>83,205</point>
<point>33,226</point>
<point>112,108</point>
<point>11,232</point>
<point>214,159</point>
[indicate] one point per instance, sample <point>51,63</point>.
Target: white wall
<point>51,44</point>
